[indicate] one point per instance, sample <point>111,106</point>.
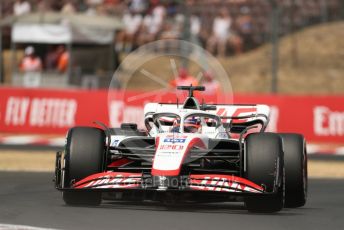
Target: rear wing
<point>234,115</point>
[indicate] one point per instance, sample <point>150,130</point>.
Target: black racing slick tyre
<point>265,167</point>
<point>84,155</point>
<point>295,163</point>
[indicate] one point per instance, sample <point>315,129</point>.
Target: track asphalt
<point>30,199</point>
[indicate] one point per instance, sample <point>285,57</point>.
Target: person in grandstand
<point>183,78</point>
<point>68,7</point>
<point>21,7</point>
<point>63,59</point>
<point>152,24</point>
<point>210,83</point>
<point>31,67</point>
<point>222,35</point>
<point>244,24</point>
<point>126,38</point>
<point>138,6</point>
<point>30,62</point>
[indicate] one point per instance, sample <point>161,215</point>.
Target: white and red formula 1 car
<point>188,153</point>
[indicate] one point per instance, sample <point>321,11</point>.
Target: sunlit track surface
<point>30,199</point>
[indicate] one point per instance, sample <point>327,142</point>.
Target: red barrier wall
<point>319,118</point>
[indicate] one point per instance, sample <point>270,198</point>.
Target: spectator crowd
<point>223,27</point>
<point>56,60</point>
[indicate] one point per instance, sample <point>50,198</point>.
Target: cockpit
<point>191,125</point>
<point>184,123</point>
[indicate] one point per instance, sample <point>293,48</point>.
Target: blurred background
<point>79,43</point>
<point>57,65</point>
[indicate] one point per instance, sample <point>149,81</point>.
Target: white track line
<point>21,227</point>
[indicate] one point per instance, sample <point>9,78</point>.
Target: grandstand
<point>295,14</point>
<point>249,24</point>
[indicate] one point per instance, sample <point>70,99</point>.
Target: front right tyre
<point>295,159</point>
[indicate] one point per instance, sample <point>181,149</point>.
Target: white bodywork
<point>210,132</point>
<point>221,111</point>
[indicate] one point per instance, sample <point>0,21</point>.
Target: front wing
<point>124,181</point>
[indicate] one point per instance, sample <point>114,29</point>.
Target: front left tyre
<point>84,156</point>
<point>265,167</point>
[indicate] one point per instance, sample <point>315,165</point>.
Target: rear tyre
<point>295,161</point>
<point>84,156</point>
<point>265,166</point>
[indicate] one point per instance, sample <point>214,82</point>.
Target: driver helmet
<point>192,125</point>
